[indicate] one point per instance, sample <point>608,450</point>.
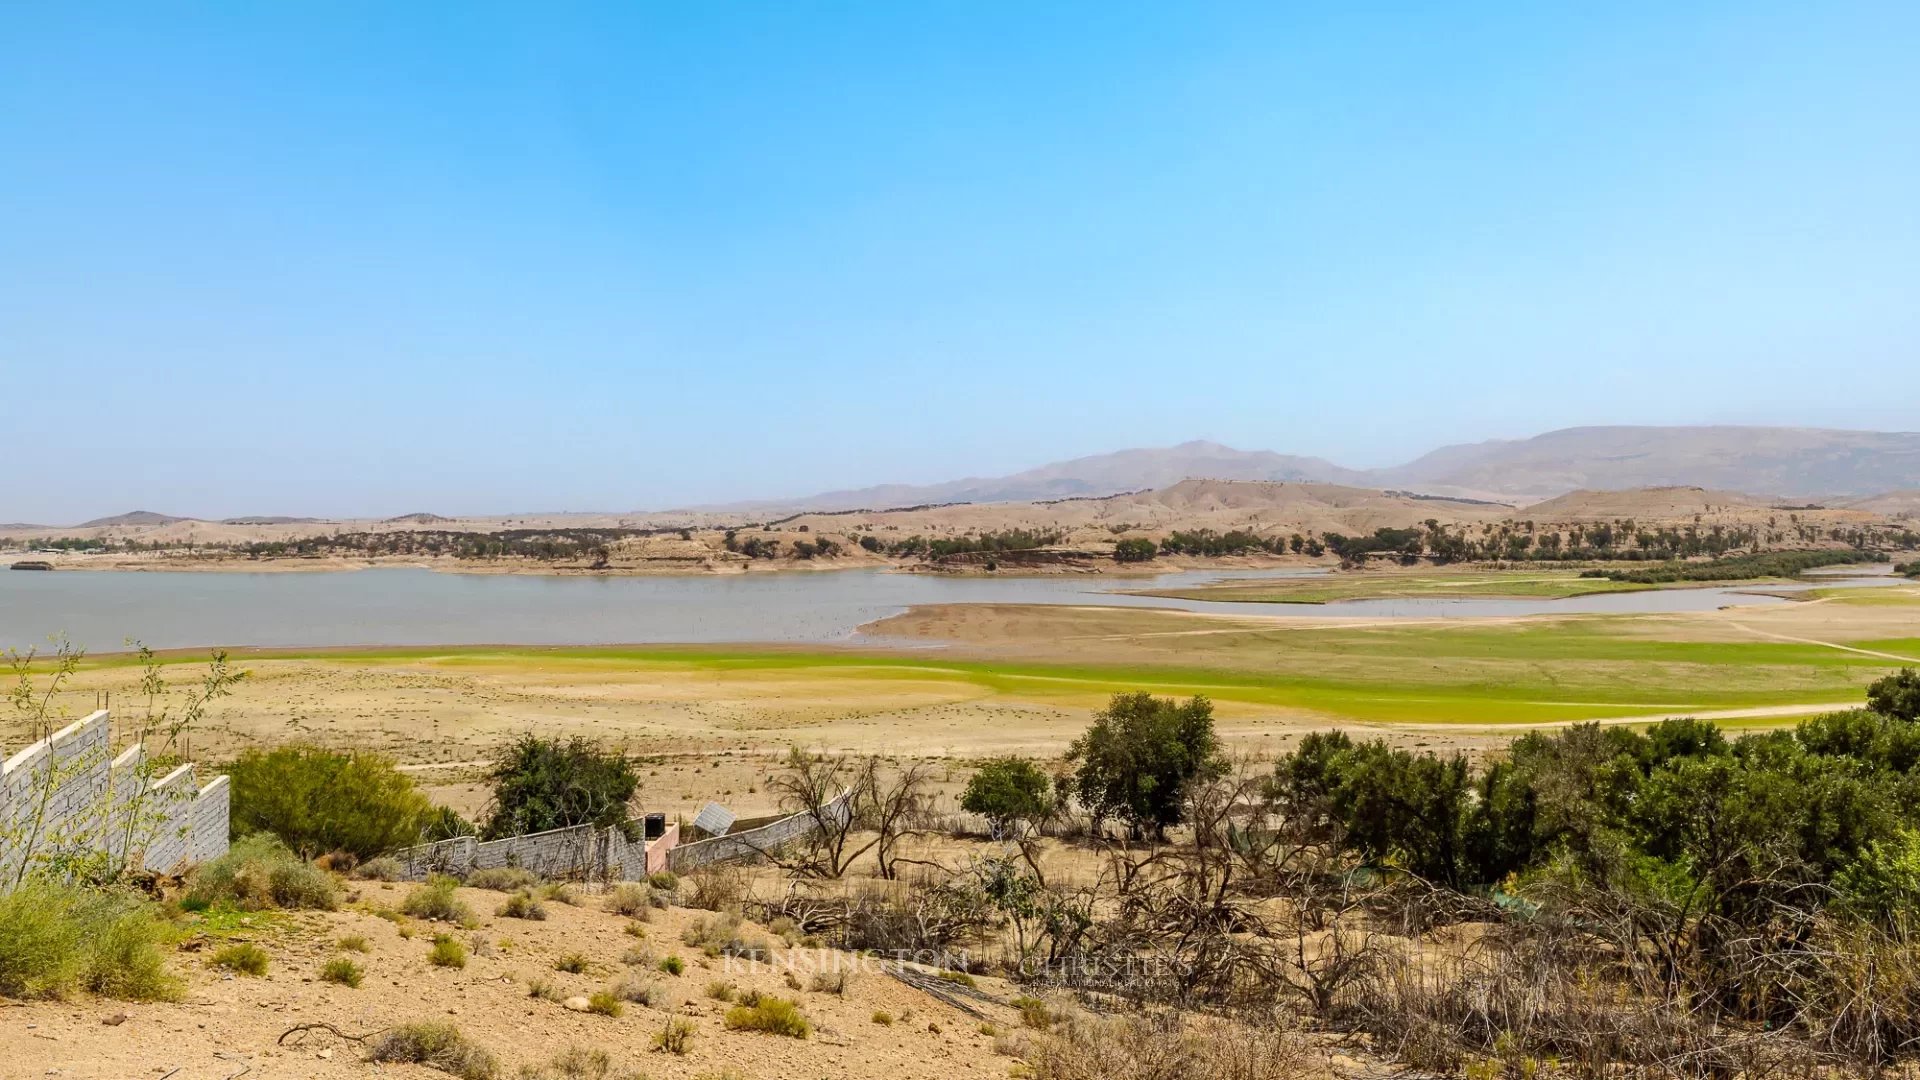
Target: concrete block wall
<point>753,842</point>
<point>68,792</point>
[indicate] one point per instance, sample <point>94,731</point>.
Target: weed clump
<point>633,901</point>
<point>503,879</point>
<point>435,901</point>
<point>447,952</point>
<point>242,958</point>
<point>437,1046</point>
<point>259,872</point>
<point>522,905</point>
<point>343,971</point>
<point>675,1038</point>
<point>775,1016</point>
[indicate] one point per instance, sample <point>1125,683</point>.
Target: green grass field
<point>1389,584</point>
<point>1515,672</point>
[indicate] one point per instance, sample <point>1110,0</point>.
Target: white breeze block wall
<point>67,792</point>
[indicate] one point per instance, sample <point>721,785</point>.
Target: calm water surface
<point>100,610</point>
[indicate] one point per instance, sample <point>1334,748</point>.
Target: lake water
<point>405,606</point>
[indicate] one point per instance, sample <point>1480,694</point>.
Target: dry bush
<point>630,899</point>
<point>717,888</point>
<point>503,879</point>
<point>435,1045</point>
<point>522,905</point>
<point>1168,1046</point>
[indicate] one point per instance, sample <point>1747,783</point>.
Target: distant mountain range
<point>1871,470</point>
<point>1779,462</point>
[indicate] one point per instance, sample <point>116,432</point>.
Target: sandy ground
<point>230,1026</point>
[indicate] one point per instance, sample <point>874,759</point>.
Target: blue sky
<point>373,258</point>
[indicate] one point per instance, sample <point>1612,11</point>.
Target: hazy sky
<point>338,258</point>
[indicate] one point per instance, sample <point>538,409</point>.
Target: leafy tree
<point>541,784</point>
<point>318,801</point>
<point>1897,695</point>
<point>1135,549</point>
<point>1140,756</point>
<point>1007,790</point>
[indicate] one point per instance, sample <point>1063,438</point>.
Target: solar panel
<point>713,819</point>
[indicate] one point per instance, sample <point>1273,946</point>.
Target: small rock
<point>576,1003</point>
<point>324,1055</point>
<point>115,1020</point>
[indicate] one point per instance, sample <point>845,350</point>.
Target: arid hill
<point>1893,504</point>
<point>1775,462</point>
<point>1655,503</point>
<point>1093,476</point>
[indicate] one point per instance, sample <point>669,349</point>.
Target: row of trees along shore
<point>1508,541</point>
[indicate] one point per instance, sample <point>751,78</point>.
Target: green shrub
<point>1034,1012</point>
<point>573,963</point>
<point>883,1018</point>
<point>503,879</point>
<point>123,957</point>
<point>324,800</point>
<point>447,952</point>
<point>543,988</point>
<point>720,991</point>
<point>541,784</point>
<point>673,965</point>
<point>353,943</point>
<point>633,901</point>
<point>604,1003</point>
<point>242,958</point>
<point>435,900</point>
<point>560,893</point>
<point>522,905</point>
<point>56,938</point>
<point>1009,789</point>
<point>775,1016</point>
<point>343,971</point>
<point>828,982</point>
<point>663,881</point>
<point>435,1045</point>
<point>261,872</point>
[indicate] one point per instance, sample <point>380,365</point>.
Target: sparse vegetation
<point>673,965</point>
<point>605,1003</point>
<point>573,963</point>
